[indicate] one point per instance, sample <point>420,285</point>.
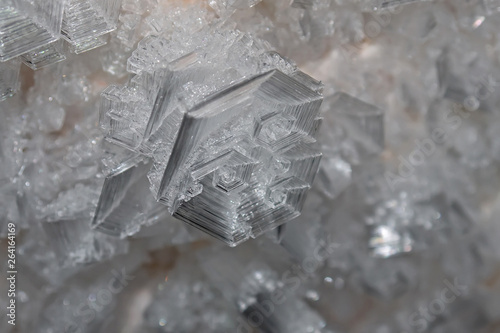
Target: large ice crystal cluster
<point>347,151</point>
<point>230,132</point>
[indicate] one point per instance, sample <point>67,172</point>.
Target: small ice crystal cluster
<point>272,166</point>
<point>41,33</point>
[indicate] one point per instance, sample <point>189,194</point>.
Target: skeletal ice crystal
<point>255,168</point>
<point>233,147</point>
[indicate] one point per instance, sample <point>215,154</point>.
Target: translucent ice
<point>231,132</point>
<point>382,4</point>
<point>254,287</point>
<point>304,237</point>
<point>26,25</point>
<point>223,6</point>
<point>363,122</point>
<point>9,74</point>
<point>75,243</point>
<point>334,175</point>
<point>467,80</point>
<point>403,225</point>
<point>126,203</point>
<point>252,162</point>
<point>187,291</point>
<point>86,20</point>
<point>202,110</point>
<point>46,55</point>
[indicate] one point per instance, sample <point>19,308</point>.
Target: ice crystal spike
<point>126,202</point>
<point>26,25</point>
<point>9,74</point>
<point>86,20</point>
<point>244,158</point>
<point>44,56</point>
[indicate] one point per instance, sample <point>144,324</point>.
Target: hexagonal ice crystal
<point>249,152</point>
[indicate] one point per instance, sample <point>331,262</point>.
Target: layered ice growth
<point>26,25</point>
<point>41,33</point>
<point>230,132</point>
<point>221,126</point>
<point>250,166</point>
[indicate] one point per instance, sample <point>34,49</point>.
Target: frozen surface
<point>346,151</point>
